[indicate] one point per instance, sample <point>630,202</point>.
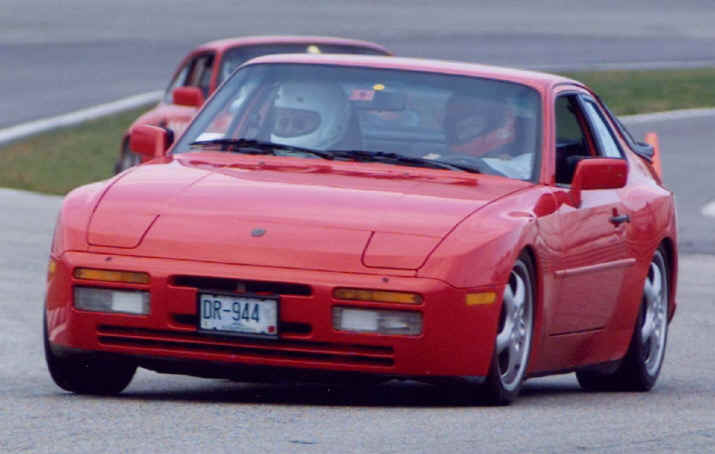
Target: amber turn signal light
<point>475,299</point>
<point>129,277</point>
<point>380,296</point>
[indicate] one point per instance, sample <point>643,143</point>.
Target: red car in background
<point>350,217</point>
<point>207,66</point>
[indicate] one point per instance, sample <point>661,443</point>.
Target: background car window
<point>608,146</point>
<point>234,58</point>
<point>178,81</point>
<point>571,142</point>
<point>200,73</point>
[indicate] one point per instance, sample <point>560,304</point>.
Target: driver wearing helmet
<point>310,115</point>
<point>477,126</point>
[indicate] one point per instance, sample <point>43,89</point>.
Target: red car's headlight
<point>111,300</point>
<point>360,320</point>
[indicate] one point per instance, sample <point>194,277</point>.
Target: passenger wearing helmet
<point>476,126</point>
<point>310,115</point>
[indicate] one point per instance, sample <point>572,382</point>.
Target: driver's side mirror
<point>188,96</point>
<point>598,173</point>
<point>150,141</point>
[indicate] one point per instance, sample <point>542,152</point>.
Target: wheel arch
<point>671,258</point>
<point>538,331</point>
<point>531,251</point>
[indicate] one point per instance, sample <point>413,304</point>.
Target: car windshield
<point>234,58</point>
<point>404,117</point>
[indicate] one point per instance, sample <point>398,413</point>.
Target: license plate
<point>238,314</point>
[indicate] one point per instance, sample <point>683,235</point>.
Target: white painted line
<point>709,210</point>
<point>670,115</point>
<point>23,130</point>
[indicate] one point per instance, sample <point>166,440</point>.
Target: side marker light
<point>475,299</point>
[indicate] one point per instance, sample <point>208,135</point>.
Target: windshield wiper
<point>396,158</point>
<point>252,146</point>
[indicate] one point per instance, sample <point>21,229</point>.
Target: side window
<point>200,73</point>
<point>572,144</point>
<point>177,81</point>
<point>607,144</point>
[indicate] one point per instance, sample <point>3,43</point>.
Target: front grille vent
<point>324,352</point>
<point>241,286</point>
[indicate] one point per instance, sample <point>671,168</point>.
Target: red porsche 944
<point>207,66</point>
<point>329,217</point>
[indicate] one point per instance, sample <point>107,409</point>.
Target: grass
<point>634,92</point>
<point>57,161</point>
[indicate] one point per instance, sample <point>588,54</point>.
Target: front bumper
<point>456,340</point>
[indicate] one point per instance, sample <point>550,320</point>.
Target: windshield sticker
<point>362,95</point>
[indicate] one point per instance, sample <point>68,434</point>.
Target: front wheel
<point>641,366</point>
<point>513,341</point>
<point>88,374</point>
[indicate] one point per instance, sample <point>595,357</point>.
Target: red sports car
<point>207,66</point>
<point>329,217</point>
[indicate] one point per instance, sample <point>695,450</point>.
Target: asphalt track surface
<point>172,414</point>
<point>60,56</point>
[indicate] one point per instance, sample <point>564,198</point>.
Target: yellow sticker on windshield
<point>378,87</point>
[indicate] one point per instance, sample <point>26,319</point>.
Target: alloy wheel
<point>514,337</point>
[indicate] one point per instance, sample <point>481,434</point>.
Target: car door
<point>593,256</point>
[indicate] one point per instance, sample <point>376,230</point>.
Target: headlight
<point>407,323</point>
<point>110,300</point>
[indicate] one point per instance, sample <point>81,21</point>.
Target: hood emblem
<point>258,232</point>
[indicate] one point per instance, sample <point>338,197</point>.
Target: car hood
<point>341,216</point>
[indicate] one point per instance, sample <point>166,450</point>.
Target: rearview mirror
<point>150,141</point>
<point>188,96</point>
<point>598,173</point>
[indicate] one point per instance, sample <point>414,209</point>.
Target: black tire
<point>504,381</point>
<point>101,375</point>
<point>127,158</point>
<point>640,367</point>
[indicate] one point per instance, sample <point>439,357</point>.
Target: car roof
<point>222,45</point>
<point>535,79</point>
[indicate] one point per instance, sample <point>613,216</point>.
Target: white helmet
<point>310,115</point>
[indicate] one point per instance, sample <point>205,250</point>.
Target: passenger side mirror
<point>150,141</point>
<point>188,96</point>
<point>598,173</point>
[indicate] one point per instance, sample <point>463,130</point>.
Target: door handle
<point>619,219</point>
